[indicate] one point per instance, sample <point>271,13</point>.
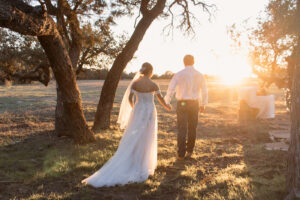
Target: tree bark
<point>61,122</point>
<point>73,45</point>
<point>74,124</point>
<point>24,19</point>
<point>102,117</point>
<point>293,175</point>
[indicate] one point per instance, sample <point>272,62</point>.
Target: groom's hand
<point>201,109</point>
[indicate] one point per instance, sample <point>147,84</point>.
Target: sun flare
<point>234,69</point>
<point>227,80</point>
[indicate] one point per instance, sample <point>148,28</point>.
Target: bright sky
<point>210,47</point>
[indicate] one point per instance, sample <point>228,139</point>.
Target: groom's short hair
<point>188,60</point>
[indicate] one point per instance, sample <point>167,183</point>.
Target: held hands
<point>201,109</point>
<point>168,107</point>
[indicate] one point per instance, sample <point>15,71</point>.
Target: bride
<point>136,156</point>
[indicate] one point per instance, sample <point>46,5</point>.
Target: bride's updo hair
<point>146,68</point>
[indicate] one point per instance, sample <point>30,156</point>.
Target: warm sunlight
<point>234,69</point>
<point>209,46</point>
<point>231,80</point>
<point>149,99</point>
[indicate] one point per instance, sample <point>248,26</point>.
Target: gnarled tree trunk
<point>20,17</point>
<point>102,117</point>
<point>61,122</point>
<point>74,121</point>
<point>73,45</point>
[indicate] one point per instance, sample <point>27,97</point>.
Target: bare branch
<point>188,18</point>
<point>170,27</point>
<point>186,15</point>
<point>205,6</point>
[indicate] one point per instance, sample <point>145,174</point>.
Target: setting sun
<point>227,80</point>
<point>234,69</point>
<point>210,46</point>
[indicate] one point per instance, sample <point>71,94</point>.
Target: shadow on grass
<point>244,169</point>
<point>49,165</point>
<point>229,163</point>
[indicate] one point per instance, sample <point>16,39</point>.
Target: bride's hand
<point>131,104</point>
<point>168,107</point>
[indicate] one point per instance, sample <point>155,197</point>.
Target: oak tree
<point>25,19</point>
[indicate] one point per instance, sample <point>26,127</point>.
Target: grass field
<point>230,161</point>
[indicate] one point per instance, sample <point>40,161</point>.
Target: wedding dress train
<point>136,156</point>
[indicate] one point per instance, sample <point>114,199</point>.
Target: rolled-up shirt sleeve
<point>204,92</point>
<point>171,90</point>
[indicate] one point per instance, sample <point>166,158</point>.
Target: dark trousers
<point>187,120</point>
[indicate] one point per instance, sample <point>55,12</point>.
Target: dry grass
<point>229,161</point>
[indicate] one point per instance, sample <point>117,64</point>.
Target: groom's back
<point>188,84</point>
<point>189,81</point>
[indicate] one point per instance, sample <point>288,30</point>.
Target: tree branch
<point>40,73</point>
<point>144,7</point>
<point>82,61</point>
<point>187,17</point>
<point>158,8</point>
<point>77,4</point>
<point>43,6</point>
<point>61,24</point>
<point>75,43</point>
<point>22,18</point>
<point>52,10</point>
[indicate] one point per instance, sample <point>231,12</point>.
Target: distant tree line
<point>100,74</point>
<point>85,74</point>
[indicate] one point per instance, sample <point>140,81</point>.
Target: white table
<point>265,104</point>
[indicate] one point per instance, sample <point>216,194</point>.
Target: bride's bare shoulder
<point>135,83</point>
<point>155,86</point>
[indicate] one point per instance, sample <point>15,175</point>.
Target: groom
<point>191,94</point>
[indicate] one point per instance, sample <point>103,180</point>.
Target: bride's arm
<point>131,99</point>
<point>160,98</point>
<point>162,101</point>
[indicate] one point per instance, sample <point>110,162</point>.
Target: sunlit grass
<point>229,160</point>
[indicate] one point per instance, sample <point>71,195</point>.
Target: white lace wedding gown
<point>136,156</point>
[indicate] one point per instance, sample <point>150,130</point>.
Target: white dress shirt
<point>189,84</point>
